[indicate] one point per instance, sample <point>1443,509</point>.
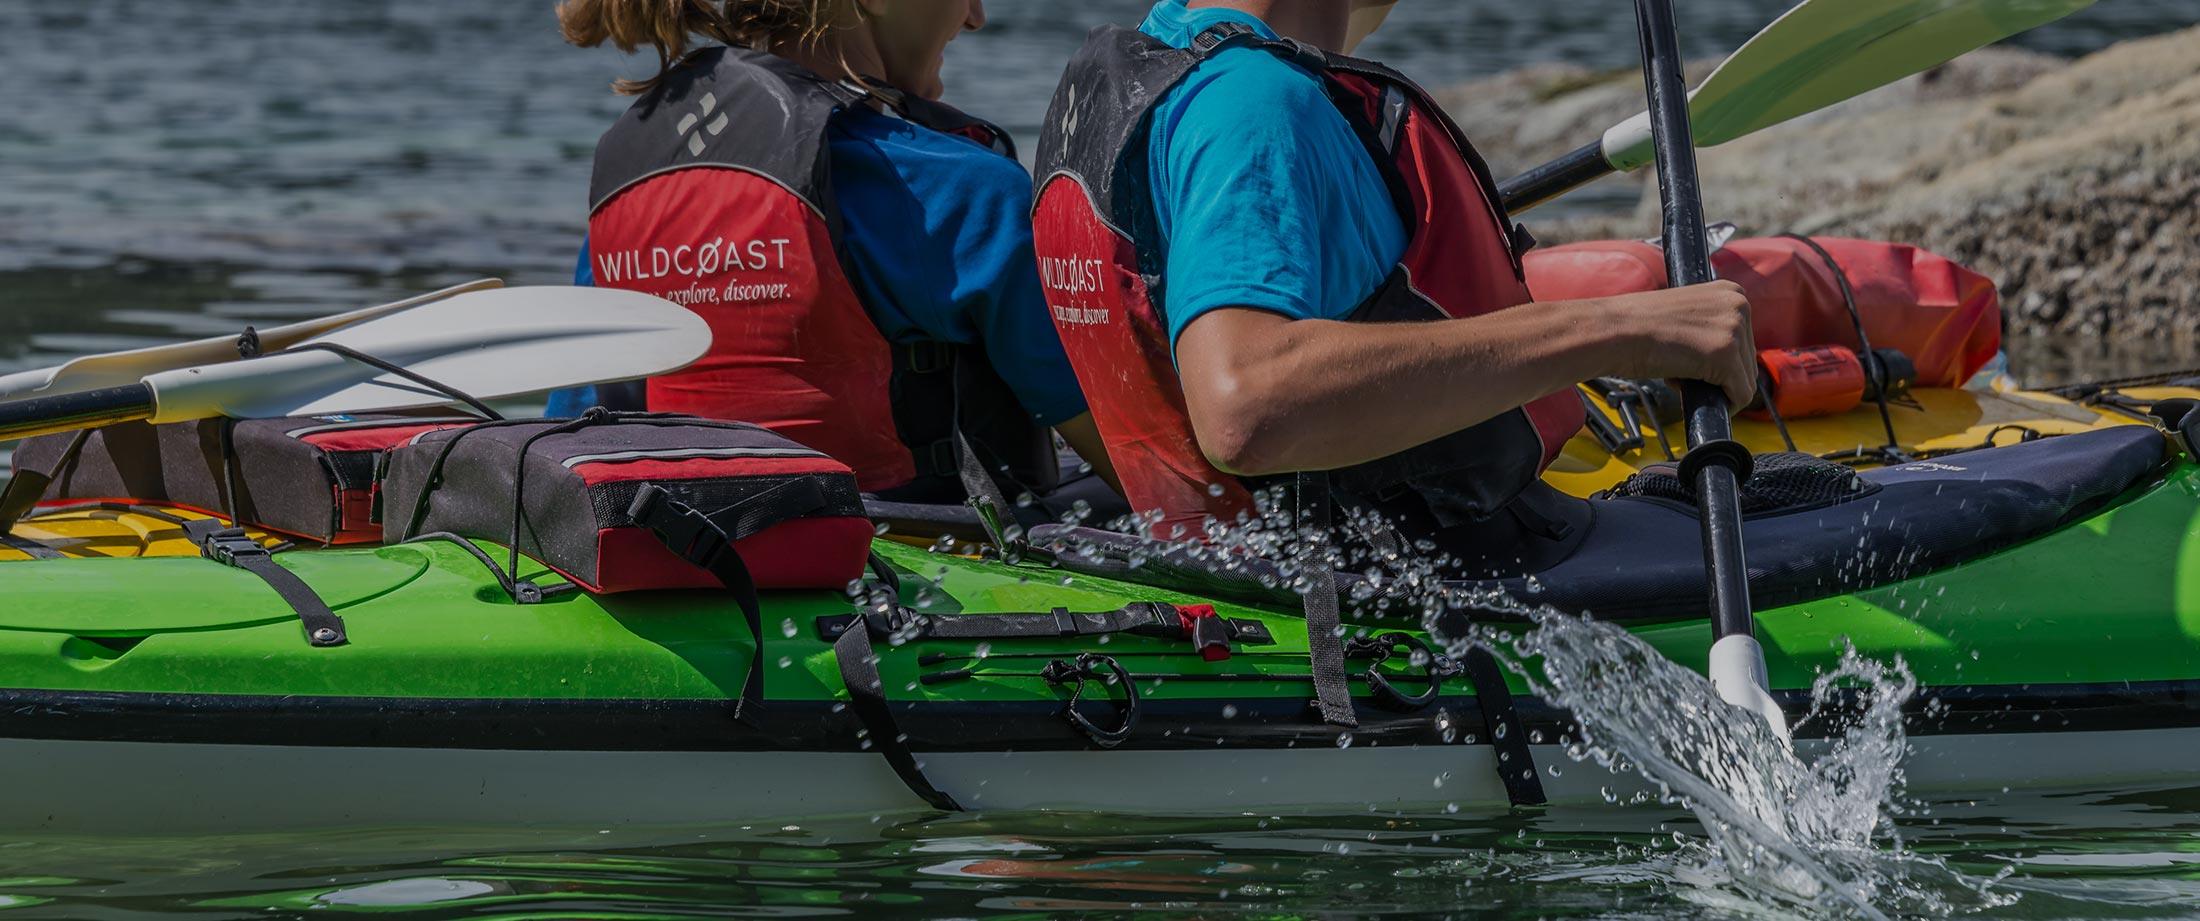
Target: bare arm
<point>1269,394</point>
<point>1084,438</point>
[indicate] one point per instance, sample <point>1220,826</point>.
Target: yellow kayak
<point>1927,422</point>
<point>106,530</point>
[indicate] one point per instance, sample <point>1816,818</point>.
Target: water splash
<point>1811,830</point>
<point>1805,829</point>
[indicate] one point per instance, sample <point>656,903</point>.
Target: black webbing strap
<point>1515,763</point>
<point>867,700</point>
<point>30,548</point>
<point>1324,647</point>
<point>231,546</point>
<point>28,485</point>
<point>984,498</point>
<point>1144,618</point>
<point>707,540</point>
<point>1864,354</point>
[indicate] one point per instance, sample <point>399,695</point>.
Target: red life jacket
<point>715,191</point>
<point>1101,261</point>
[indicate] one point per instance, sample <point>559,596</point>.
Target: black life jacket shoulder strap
<point>689,119</point>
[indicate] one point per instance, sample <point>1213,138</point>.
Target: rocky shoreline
<point>2075,184</point>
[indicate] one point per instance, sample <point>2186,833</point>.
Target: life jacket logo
<point>707,105</point>
<point>1077,279</point>
<point>1069,113</point>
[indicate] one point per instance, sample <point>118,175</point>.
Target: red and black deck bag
<point>309,477</point>
<point>624,502</point>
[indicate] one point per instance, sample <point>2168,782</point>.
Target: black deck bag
<point>310,477</point>
<point>619,502</point>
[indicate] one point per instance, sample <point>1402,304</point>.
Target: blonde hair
<point>668,25</point>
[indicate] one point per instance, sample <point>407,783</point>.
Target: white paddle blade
<point>1824,51</point>
<point>115,369</point>
<point>492,344</point>
<point>1737,673</point>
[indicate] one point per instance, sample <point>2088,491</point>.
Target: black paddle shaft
<point>1715,462</point>
<point>71,411</point>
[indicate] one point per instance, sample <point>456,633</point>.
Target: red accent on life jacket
<point>792,348</point>
<point>1946,317</point>
<point>715,191</point>
<point>1099,259</point>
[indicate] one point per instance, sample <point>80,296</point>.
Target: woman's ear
<point>1367,16</point>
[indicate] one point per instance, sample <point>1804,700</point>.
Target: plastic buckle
<point>230,545</point>
<point>1210,635</point>
<point>929,357</point>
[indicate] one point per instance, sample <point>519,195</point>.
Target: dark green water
<point>2129,854</point>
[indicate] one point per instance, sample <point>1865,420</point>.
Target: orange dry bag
<point>1945,317</point>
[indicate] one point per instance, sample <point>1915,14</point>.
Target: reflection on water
<point>2121,854</point>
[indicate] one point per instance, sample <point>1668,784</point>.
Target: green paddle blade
<point>1824,51</point>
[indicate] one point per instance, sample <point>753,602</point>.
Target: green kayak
<point>2037,592</point>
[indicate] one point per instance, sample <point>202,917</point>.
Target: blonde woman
<point>861,251</point>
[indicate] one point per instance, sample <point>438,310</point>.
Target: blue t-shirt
<point>1265,195</point>
<point>937,235</point>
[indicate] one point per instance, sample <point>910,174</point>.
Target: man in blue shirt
<point>1276,223</point>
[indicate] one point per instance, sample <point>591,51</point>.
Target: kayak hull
<point>145,788</point>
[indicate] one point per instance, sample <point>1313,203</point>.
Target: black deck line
<point>526,724</point>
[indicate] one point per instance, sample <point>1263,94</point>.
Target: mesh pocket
<point>1782,482</point>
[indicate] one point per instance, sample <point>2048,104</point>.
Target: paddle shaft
<point>71,411</point>
<point>1713,460</point>
<point>1579,167</point>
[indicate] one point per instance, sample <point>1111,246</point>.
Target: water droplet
<point>788,629</point>
<point>1229,711</point>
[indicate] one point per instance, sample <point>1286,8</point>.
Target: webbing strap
<point>708,541</point>
<point>867,700</point>
<point>1143,618</point>
<point>28,486</point>
<point>1324,647</point>
<point>985,496</point>
<point>1515,763</point>
<point>30,548</point>
<point>233,547</point>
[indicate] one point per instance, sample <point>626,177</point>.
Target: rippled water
<point>2120,854</point>
<point>171,169</point>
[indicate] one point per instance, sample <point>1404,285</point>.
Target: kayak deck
<point>2066,660</point>
<point>424,617</point>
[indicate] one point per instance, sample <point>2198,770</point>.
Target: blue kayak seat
<point>1641,558</point>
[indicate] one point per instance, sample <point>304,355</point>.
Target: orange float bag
<point>1947,318</point>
